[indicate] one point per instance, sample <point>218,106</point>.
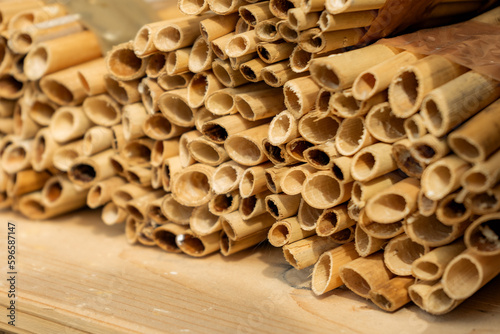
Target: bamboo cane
<point>260,104</point>
<point>17,156</point>
<point>207,152</point>
<point>300,20</point>
<point>292,181</point>
<point>282,206</point>
<point>30,16</point>
<point>321,156</point>
<point>174,105</point>
<point>363,191</point>
<point>153,212</point>
<point>202,116</point>
<point>246,147</point>
<point>255,13</point>
<point>219,45</point>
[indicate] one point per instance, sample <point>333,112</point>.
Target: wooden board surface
<point>76,275</point>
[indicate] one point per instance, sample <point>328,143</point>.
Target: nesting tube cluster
<point>375,166</point>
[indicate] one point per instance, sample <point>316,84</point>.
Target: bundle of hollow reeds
<point>208,133</point>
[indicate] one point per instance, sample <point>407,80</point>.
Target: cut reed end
<point>57,91</point>
<point>466,148</point>
<point>322,191</point>
<point>321,274</point>
<point>102,110</point>
<point>279,234</point>
<point>83,173</point>
<point>193,187</point>
<point>124,64</point>
<point>325,75</point>
<point>220,103</point>
<point>365,86</point>
<point>166,240</point>
<point>192,7</point>
<point>404,93</point>
<point>112,214</point>
<point>244,150</point>
<point>355,281</point>
<point>463,277</point>
<point>238,46</point>
<point>36,63</point>
<point>483,236</point>
<point>142,41</point>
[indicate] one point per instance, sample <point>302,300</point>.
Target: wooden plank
<point>76,275</point>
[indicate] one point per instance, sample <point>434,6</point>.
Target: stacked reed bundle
<point>202,135</point>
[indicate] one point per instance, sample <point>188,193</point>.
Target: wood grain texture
<point>77,275</point>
